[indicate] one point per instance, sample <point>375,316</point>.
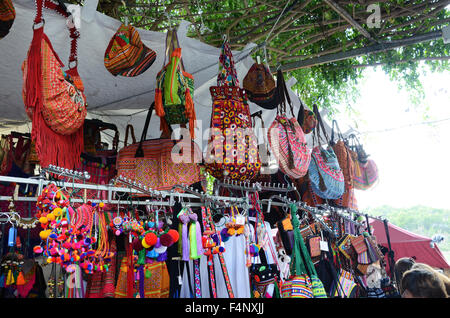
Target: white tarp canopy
<point>113,99</point>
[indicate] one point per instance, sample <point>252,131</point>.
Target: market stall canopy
<point>118,100</point>
<point>408,244</point>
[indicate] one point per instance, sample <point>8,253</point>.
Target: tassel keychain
<point>185,248</point>
<point>9,278</point>
<point>195,237</point>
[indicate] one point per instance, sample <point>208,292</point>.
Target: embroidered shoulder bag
<point>365,174</point>
<point>299,284</point>
<point>53,98</point>
<point>232,151</point>
<point>325,174</point>
<point>286,137</point>
<point>345,158</point>
<point>174,93</point>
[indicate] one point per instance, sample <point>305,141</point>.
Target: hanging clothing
<point>235,261</point>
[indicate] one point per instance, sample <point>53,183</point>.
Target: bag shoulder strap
<point>74,33</point>
<point>129,129</point>
<point>321,127</point>
<point>227,75</point>
<point>283,94</point>
<point>299,266</point>
<point>338,132</point>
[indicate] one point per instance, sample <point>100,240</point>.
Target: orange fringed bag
<point>54,99</point>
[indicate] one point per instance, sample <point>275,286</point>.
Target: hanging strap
<point>321,127</point>
<point>74,33</point>
<point>208,224</point>
<point>299,267</point>
<point>391,252</point>
<point>227,71</point>
<point>368,225</point>
<point>283,95</point>
<point>338,132</point>
<point>212,279</point>
<point>301,114</point>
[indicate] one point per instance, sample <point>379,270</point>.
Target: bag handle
<point>301,114</point>
<point>74,33</point>
<point>321,126</point>
<point>299,266</point>
<point>172,43</point>
<point>307,258</point>
<point>229,77</point>
<point>283,94</point>
<point>139,151</point>
<point>131,130</point>
<point>338,132</point>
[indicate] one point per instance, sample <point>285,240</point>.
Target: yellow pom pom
<point>50,217</point>
<point>144,244</point>
<point>44,235</point>
<point>43,220</point>
<point>101,204</point>
<point>49,260</point>
<point>57,212</point>
<point>231,231</point>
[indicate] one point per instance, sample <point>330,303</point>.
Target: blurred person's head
<point>442,276</point>
<point>401,266</point>
<point>422,283</point>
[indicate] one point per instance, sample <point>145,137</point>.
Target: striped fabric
<point>363,258</point>
<point>288,144</point>
<point>347,284</point>
<point>359,244</point>
<point>126,55</point>
<point>317,288</point>
<point>298,287</point>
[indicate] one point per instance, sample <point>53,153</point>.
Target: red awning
<point>408,244</point>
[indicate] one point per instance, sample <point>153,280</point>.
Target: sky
<point>413,161</point>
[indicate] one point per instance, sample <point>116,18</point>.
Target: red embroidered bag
<point>286,137</point>
<point>54,99</point>
<point>233,147</point>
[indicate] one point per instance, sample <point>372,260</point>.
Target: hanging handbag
<point>262,275</point>
<point>365,174</point>
<point>345,159</point>
<point>174,93</point>
<point>232,151</point>
<point>347,286</point>
<point>286,137</point>
<point>53,98</point>
<point>93,143</point>
<point>317,287</point>
<point>260,86</point>
<point>306,119</point>
<point>373,252</point>
<point>360,246</point>
<point>325,174</point>
<point>151,162</point>
<point>300,284</point>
